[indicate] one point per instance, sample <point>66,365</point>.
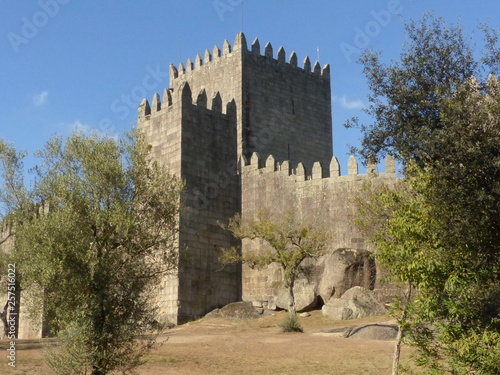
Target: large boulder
<point>305,298</point>
<point>374,332</point>
<point>236,310</point>
<point>357,302</point>
<point>342,270</point>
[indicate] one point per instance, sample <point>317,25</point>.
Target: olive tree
<point>289,242</point>
<point>98,248</point>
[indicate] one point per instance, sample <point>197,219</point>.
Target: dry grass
<point>222,346</point>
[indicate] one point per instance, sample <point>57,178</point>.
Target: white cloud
<point>355,104</point>
<point>41,98</point>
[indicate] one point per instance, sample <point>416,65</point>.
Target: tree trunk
<point>397,352</point>
<point>291,299</point>
<point>399,337</point>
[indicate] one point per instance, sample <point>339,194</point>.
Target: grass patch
<point>291,324</point>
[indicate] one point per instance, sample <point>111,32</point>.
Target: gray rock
<point>357,302</point>
<point>237,310</point>
<point>339,310</point>
<point>271,305</point>
<point>305,298</point>
<point>269,313</point>
<point>374,332</point>
<point>305,315</point>
<point>342,270</point>
<point>257,304</point>
<point>213,314</point>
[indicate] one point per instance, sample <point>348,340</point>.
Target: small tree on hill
<point>289,242</point>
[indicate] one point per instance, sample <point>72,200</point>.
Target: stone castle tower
<point>223,124</point>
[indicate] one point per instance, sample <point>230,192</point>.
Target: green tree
<point>289,242</point>
<point>440,235</point>
<point>101,244</point>
<point>15,201</point>
<point>16,207</point>
<point>405,95</point>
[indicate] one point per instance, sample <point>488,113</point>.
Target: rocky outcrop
<point>357,302</point>
<point>305,298</point>
<point>237,310</point>
<point>332,276</point>
<point>342,270</point>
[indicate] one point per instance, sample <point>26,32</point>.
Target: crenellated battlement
<point>209,58</point>
<point>241,48</point>
<point>184,96</point>
<point>264,81</point>
<point>317,172</point>
<point>280,59</point>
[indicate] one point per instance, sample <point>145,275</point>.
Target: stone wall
<point>198,144</point>
<point>161,126</point>
<point>314,198</point>
<point>212,195</point>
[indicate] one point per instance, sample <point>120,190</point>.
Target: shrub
<point>291,324</point>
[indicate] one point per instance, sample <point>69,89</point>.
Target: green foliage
<point>14,197</point>
<point>94,258</point>
<point>16,207</point>
<point>16,202</point>
<point>68,356</point>
<point>438,232</point>
<point>289,242</point>
<point>290,323</point>
<point>453,319</point>
<point>405,95</point>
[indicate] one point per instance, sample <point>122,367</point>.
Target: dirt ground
<point>221,346</point>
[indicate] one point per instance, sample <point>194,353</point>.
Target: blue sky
<point>76,63</point>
